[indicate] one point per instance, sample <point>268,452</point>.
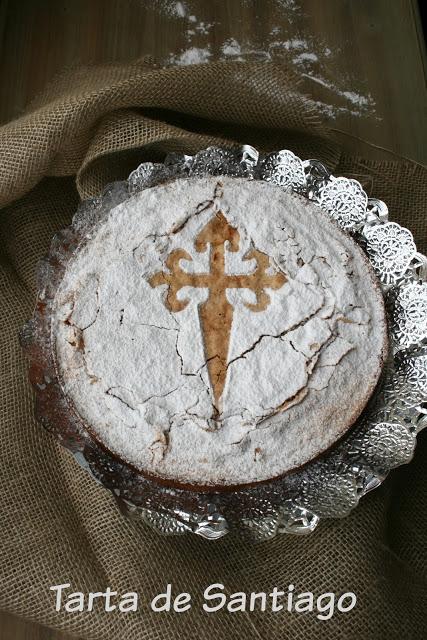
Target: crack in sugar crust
<point>298,372</point>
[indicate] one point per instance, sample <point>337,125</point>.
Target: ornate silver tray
<point>383,438</point>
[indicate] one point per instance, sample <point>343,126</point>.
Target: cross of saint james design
<point>216,314</point>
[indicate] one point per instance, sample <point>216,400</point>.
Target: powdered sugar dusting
<point>231,48</point>
<point>326,87</point>
<point>132,345</point>
<point>180,10</point>
<point>193,55</point>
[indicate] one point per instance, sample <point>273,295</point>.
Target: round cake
<point>218,332</point>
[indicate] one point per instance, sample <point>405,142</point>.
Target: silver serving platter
<point>384,437</point>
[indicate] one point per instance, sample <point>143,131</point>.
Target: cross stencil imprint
<point>216,314</point>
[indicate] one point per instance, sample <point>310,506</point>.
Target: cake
<point>215,333</point>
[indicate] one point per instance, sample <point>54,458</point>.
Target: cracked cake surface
<point>218,331</point>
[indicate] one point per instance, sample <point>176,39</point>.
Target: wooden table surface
<point>362,61</point>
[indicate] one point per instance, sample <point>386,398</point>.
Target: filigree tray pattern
<point>383,438</point>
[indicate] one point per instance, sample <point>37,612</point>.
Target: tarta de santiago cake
<point>217,332</point>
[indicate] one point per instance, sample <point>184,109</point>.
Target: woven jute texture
<point>57,525</point>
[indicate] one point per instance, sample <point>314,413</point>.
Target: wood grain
<point>376,50</point>
<point>376,47</point>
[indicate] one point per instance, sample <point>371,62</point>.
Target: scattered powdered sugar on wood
<point>231,48</point>
<point>192,55</point>
<point>326,88</point>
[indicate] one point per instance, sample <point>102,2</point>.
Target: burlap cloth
<point>56,524</point>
